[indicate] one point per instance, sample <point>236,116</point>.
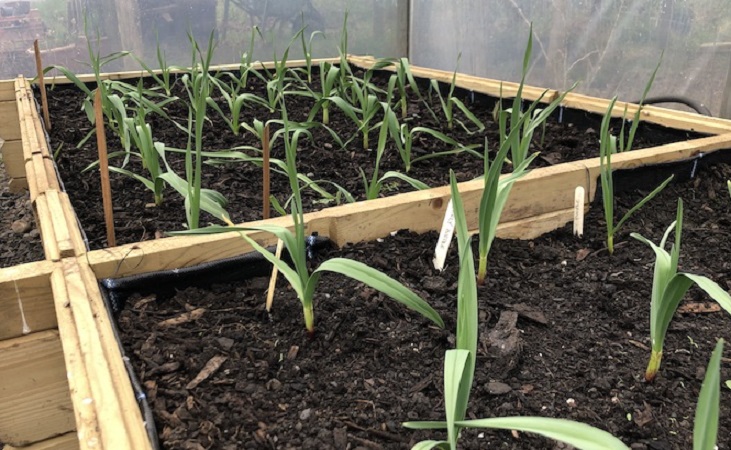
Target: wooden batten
<point>39,170</point>
<point>545,192</point>
<point>9,127</point>
<point>34,393</point>
<point>107,415</point>
<point>90,77</point>
<point>59,229</point>
<point>67,441</point>
<point>661,116</point>
<point>12,152</point>
<point>7,90</point>
<point>25,295</point>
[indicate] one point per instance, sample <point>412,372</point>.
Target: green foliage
<point>459,366</point>
<point>669,287</point>
<point>449,101</point>
<point>705,429</point>
<point>302,281</point>
<point>607,147</point>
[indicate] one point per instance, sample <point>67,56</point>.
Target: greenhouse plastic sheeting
<point>610,47</point>
<point>374,27</point>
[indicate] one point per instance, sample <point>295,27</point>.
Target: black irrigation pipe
<point>116,291</point>
<point>698,107</point>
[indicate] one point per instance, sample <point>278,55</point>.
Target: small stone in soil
<point>497,388</point>
<point>20,227</point>
<point>306,414</point>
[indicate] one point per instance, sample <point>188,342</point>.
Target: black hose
<point>698,107</point>
<point>164,283</point>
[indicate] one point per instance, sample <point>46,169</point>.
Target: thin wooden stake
<point>273,279</point>
<point>101,142</point>
<point>42,85</point>
<point>265,166</point>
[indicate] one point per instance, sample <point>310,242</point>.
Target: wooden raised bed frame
<point>81,396</point>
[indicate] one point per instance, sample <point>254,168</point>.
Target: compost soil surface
<point>20,240</point>
<point>319,157</point>
<point>564,332</point>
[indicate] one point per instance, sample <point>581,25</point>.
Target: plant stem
<point>653,366</point>
<point>325,115</point>
<point>482,270</point>
<point>309,319</point>
<point>610,243</point>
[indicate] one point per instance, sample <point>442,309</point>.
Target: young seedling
<point>235,105</point>
<point>403,137</point>
<point>367,106</point>
<point>307,47</point>
<point>163,76</point>
<point>459,366</point>
<point>607,147</point>
<point>449,101</point>
<point>669,287</point>
<point>514,117</point>
<point>198,86</point>
<point>302,281</point>
<point>625,146</point>
<point>373,188</point>
<point>495,195</point>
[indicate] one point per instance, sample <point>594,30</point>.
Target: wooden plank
<point>60,225</point>
<point>68,441</point>
<point>25,292</point>
<point>669,118</point>
<point>9,126</point>
<point>7,90</point>
<point>47,226</point>
<point>542,191</point>
<point>34,392</point>
<point>72,224</point>
<point>42,181</point>
<point>17,185</point>
<point>13,160</point>
<point>107,414</point>
<point>87,425</point>
<point>126,75</point>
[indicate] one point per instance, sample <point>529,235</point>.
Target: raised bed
<point>321,158</point>
<point>104,407</point>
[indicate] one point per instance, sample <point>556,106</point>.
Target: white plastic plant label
<point>579,211</point>
<point>445,238</point>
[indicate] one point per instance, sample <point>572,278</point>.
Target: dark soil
<point>20,240</point>
<point>320,158</point>
<point>577,351</point>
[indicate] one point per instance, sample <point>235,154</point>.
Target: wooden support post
<point>101,141</point>
<point>42,85</point>
<point>265,170</point>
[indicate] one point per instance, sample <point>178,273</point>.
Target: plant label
<point>445,238</point>
<point>579,211</point>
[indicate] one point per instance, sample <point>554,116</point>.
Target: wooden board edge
<point>26,299</point>
<point>68,441</point>
<point>542,191</point>
<point>107,414</point>
<point>90,77</point>
<point>13,160</point>
<point>7,90</point>
<point>36,398</point>
<point>46,224</point>
<point>661,116</point>
<point>9,126</point>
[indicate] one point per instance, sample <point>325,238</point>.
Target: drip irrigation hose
<point>116,291</point>
<point>698,107</point>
